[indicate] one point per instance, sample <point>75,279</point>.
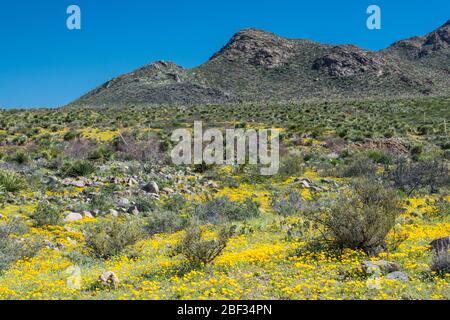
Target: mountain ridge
<point>256,65</point>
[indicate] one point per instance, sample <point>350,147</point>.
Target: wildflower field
<point>92,208</point>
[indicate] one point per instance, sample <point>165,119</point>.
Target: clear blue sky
<point>42,63</point>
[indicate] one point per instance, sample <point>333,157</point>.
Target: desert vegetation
<point>358,210</point>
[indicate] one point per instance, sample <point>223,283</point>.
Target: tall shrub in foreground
<point>362,217</point>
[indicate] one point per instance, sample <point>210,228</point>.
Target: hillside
<point>257,66</point>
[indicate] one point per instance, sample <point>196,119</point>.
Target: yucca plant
<point>11,181</point>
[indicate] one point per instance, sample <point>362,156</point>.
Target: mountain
<point>258,66</point>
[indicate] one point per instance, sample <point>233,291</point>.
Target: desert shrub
<point>416,150</point>
<point>102,201</point>
<point>442,208</point>
<point>11,181</point>
<point>78,168</point>
<point>20,157</point>
<point>79,148</point>
<point>107,238</point>
<point>11,249</point>
<point>358,166</point>
<point>175,203</point>
<point>288,203</point>
<point>128,147</point>
<point>291,166</point>
<point>47,214</point>
<point>145,204</point>
<point>71,135</point>
<point>102,153</point>
<point>410,176</point>
<point>2,194</point>
<point>198,251</point>
<point>221,209</point>
<point>361,219</point>
<point>380,157</point>
<point>164,222</point>
<point>441,262</point>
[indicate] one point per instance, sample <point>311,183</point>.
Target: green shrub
<point>288,203</point>
<point>362,219</point>
<point>164,222</point>
<point>102,153</point>
<point>175,203</point>
<point>416,150</point>
<point>107,238</point>
<point>221,209</point>
<point>47,214</point>
<point>379,157</point>
<point>200,252</point>
<point>410,176</point>
<point>20,157</point>
<point>11,249</point>
<point>70,135</point>
<point>359,166</point>
<point>291,166</point>
<point>78,168</point>
<point>11,181</point>
<point>2,194</point>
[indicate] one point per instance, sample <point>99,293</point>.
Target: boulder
<point>109,278</point>
<point>167,190</point>
<point>151,187</point>
<point>383,266</point>
<point>441,244</point>
<point>73,216</point>
<point>113,212</point>
<point>397,275</point>
<point>87,214</point>
<point>123,202</point>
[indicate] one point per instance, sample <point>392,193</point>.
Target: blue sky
<point>43,64</point>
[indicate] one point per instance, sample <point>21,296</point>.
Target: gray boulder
<point>151,187</point>
<point>73,216</point>
<point>397,275</point>
<point>382,266</point>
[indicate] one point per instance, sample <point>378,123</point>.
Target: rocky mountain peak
<point>349,60</point>
<point>258,48</point>
<point>419,47</point>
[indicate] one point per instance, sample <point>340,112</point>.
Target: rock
<point>133,210</point>
<point>131,182</point>
<point>441,244</point>
<point>73,216</point>
<point>71,241</point>
<point>87,214</point>
<point>305,184</point>
<point>52,181</point>
<point>109,278</point>
<point>333,156</point>
<point>113,212</point>
<point>151,187</point>
<point>167,190</point>
<point>397,275</point>
<point>211,184</point>
<point>123,202</point>
<point>69,229</point>
<point>95,212</point>
<point>348,60</point>
<point>383,266</point>
<point>48,244</point>
<point>330,181</point>
<point>78,183</point>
